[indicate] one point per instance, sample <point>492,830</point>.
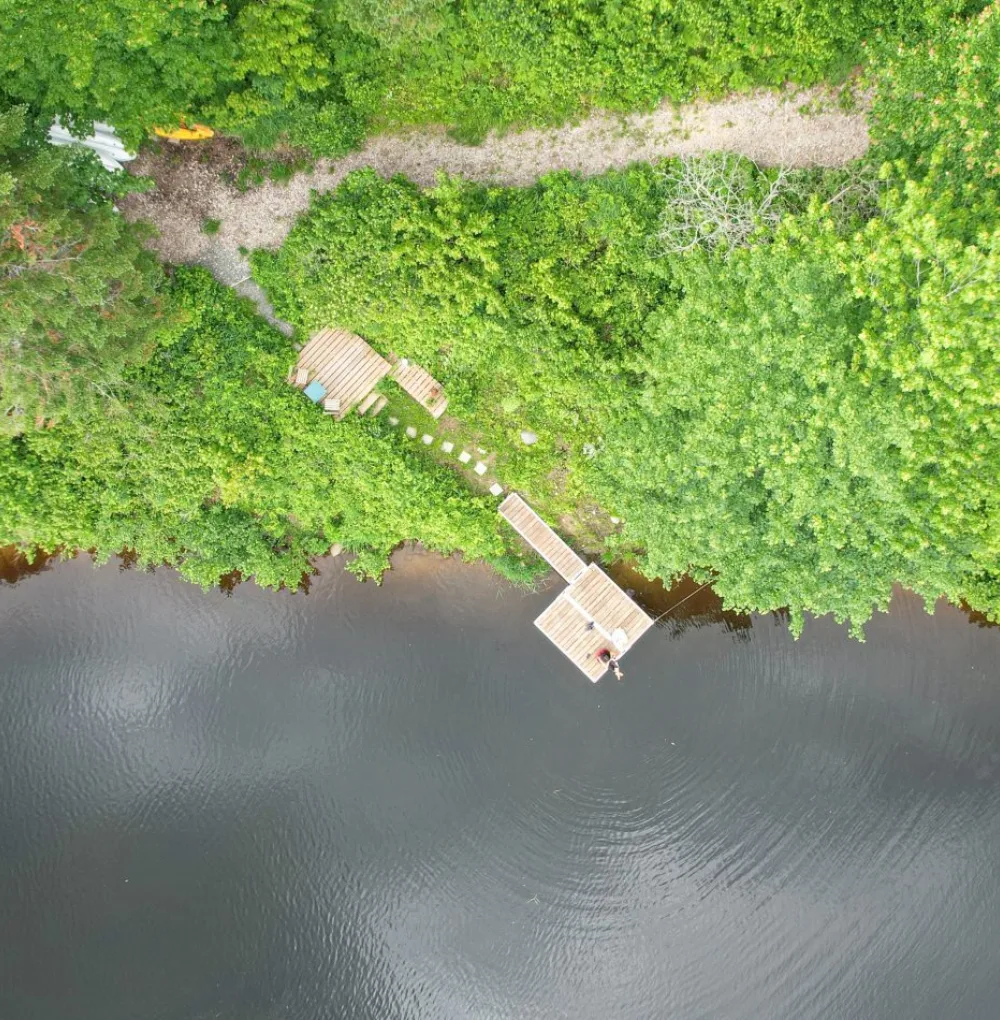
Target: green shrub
<point>220,465</point>
<point>322,75</point>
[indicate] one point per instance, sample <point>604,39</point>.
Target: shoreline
<point>700,608</point>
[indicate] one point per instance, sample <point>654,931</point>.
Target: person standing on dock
<point>605,656</point>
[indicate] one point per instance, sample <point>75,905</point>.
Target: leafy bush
<point>220,465</point>
<point>322,74</point>
<point>79,296</point>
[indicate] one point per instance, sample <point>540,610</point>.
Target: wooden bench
<point>368,401</point>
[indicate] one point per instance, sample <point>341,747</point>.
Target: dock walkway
<point>591,615</point>
<point>541,537</point>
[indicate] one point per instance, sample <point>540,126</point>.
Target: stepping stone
<point>447,446</point>
<point>465,457</point>
<point>411,432</point>
<point>393,420</point>
<point>528,438</point>
<point>427,439</point>
<point>496,489</point>
<point>480,468</point>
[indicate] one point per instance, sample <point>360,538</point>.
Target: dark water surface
<point>403,803</point>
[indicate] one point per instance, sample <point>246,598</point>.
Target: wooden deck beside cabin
<point>420,385</point>
<point>344,364</point>
<point>541,537</point>
<point>593,613</point>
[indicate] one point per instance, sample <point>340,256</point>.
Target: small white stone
<point>480,450</point>
<point>447,446</point>
<point>616,520</point>
<point>393,421</point>
<point>480,468</point>
<point>528,438</point>
<point>411,432</point>
<point>465,457</point>
<point>427,439</point>
<point>497,489</point>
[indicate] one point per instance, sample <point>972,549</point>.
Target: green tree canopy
<point>220,465</point>
<point>323,72</point>
<point>820,419</point>
<point>79,296</point>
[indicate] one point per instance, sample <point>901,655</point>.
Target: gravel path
<point>767,127</point>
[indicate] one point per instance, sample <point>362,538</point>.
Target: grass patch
<point>258,170</point>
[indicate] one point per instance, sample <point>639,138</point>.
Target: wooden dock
<point>420,385</point>
<point>344,364</point>
<point>541,537</point>
<point>593,613</point>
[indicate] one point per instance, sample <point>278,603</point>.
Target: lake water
<point>401,802</point>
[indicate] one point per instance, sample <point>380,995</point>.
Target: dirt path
<point>766,127</point>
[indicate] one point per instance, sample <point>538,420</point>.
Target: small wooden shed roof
<point>420,385</point>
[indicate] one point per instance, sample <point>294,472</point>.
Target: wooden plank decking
<point>541,537</point>
<point>593,613</point>
<point>345,365</point>
<point>422,386</point>
<point>593,599</point>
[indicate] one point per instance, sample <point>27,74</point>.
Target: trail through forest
<point>799,128</point>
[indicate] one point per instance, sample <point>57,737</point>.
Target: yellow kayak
<point>194,133</point>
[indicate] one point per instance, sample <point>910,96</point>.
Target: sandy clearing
<point>765,126</point>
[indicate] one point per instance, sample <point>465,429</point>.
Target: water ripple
<point>401,803</point>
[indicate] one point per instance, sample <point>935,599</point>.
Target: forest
<point>783,381</point>
<point>323,73</point>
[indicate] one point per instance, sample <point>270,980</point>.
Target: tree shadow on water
<point>685,603</point>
